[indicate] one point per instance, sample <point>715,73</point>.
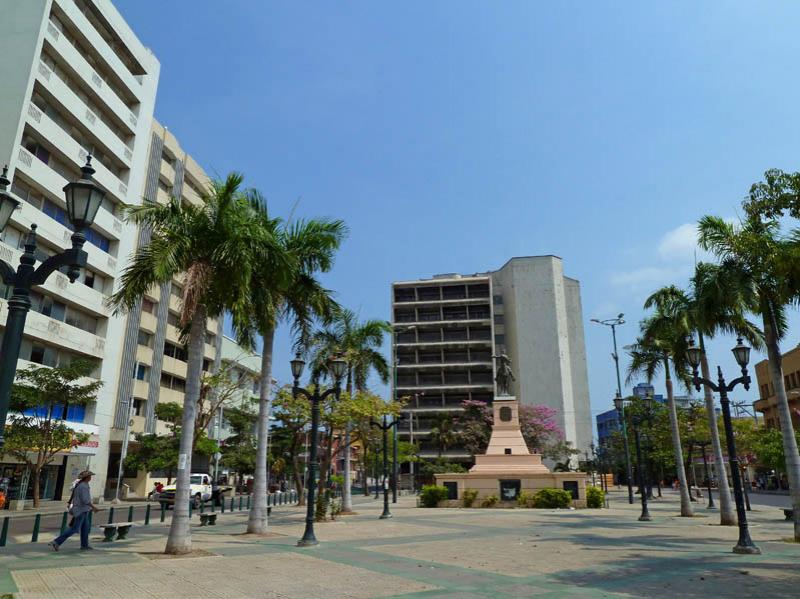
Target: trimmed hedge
<point>431,495</point>
<point>490,501</point>
<point>595,498</point>
<point>469,497</point>
<point>552,498</point>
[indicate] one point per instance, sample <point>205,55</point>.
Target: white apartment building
<point>75,80</point>
<point>447,328</point>
<point>153,361</point>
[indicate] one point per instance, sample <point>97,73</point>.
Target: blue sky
<point>451,136</point>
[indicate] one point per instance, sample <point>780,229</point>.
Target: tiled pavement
<point>427,553</point>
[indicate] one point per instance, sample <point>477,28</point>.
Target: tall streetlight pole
<point>613,323</point>
<point>338,367</point>
<point>83,199</point>
<point>742,354</point>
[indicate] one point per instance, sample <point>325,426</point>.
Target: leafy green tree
<point>40,399</point>
<point>215,246</point>
<point>765,266</point>
<point>359,343</point>
<point>239,449</point>
<point>159,453</point>
<point>285,288</point>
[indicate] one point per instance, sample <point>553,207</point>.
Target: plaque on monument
<point>452,490</point>
<point>509,489</point>
<point>572,487</point>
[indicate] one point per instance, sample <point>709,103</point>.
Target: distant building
<point>447,328</point>
<point>767,402</point>
<point>608,422</point>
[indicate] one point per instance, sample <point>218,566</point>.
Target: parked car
<point>200,491</point>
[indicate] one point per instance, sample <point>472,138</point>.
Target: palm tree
<point>709,307</point>
<point>660,342</point>
<point>286,291</point>
<point>443,433</point>
<point>212,244</point>
<point>764,269</point>
<point>359,343</point>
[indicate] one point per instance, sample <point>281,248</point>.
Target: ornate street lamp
<point>385,427</point>
<point>338,368</point>
<point>742,354</point>
<point>83,200</point>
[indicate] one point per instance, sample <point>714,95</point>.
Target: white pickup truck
<point>200,491</point>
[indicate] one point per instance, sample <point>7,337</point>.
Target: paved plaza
<point>427,553</point>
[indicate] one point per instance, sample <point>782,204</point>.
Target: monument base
<point>507,484</point>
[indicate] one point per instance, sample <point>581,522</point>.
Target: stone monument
<point>508,467</point>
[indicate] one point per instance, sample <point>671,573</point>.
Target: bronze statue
<point>504,375</point>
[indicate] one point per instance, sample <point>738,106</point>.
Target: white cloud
<point>675,256</point>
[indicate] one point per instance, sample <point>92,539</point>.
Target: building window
<point>499,339</point>
<point>148,306</point>
<point>145,339</point>
<point>497,300</point>
<point>138,407</point>
<point>141,372</point>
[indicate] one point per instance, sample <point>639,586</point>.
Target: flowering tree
<point>537,423</point>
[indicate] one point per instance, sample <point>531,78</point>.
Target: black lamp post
<point>702,445</point>
<point>385,428</point>
<point>742,354</point>
<point>338,367</point>
<point>613,323</point>
<point>638,418</point>
<point>619,404</point>
<point>83,200</point>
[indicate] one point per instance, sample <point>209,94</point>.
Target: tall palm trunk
<point>257,520</point>
<point>727,514</point>
<point>180,536</point>
<point>347,496</point>
<point>784,414</point>
<point>686,504</point>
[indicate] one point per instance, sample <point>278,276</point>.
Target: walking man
<point>81,500</point>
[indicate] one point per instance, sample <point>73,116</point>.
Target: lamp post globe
<point>83,197</point>
<point>742,353</point>
<point>7,202</point>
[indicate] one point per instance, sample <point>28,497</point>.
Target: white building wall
<point>544,341</point>
<point>92,85</point>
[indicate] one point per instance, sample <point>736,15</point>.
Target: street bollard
<point>240,502</point>
<point>130,513</point>
<point>248,502</point>
<point>232,504</point>
<point>190,508</point>
<point>147,515</point>
<point>4,532</point>
<point>36,523</point>
<point>269,499</point>
<point>64,522</point>
<point>222,505</point>
<point>203,508</point>
<point>163,511</point>
<point>111,516</point>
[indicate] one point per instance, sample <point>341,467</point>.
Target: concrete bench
<point>121,529</point>
<point>788,513</point>
<point>208,519</point>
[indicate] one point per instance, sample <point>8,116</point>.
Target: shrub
<point>468,497</point>
<point>431,495</point>
<point>552,498</point>
<point>525,499</point>
<point>490,501</point>
<point>595,498</point>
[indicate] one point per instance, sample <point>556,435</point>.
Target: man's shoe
<point>87,548</point>
<point>53,545</point>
